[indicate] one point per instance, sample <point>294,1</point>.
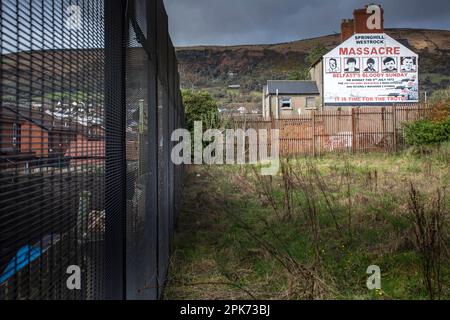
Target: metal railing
<point>355,130</point>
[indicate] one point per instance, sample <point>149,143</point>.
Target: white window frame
<point>15,135</point>
<point>283,101</point>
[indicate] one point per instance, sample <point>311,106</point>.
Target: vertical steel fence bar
<point>115,192</point>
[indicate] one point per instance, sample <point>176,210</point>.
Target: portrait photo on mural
<point>352,65</point>
<point>333,65</point>
<point>408,64</point>
<point>370,65</point>
<point>390,64</point>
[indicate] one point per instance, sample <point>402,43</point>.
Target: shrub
<point>200,106</point>
<point>426,132</point>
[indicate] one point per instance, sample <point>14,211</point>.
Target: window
<point>15,135</point>
<point>310,102</point>
<point>286,103</point>
<point>94,134</point>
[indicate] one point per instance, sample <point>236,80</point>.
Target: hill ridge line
<point>214,46</point>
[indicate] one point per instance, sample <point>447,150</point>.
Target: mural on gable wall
<point>370,69</point>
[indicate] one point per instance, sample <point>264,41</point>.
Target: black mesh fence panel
<point>89,97</point>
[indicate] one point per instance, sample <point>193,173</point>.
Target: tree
<point>301,74</point>
<point>314,55</point>
<point>318,51</point>
<point>442,95</point>
<point>200,106</point>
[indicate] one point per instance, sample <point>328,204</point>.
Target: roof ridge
<point>292,86</point>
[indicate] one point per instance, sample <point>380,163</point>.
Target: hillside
<point>214,68</point>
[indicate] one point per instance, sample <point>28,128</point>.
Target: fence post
<point>313,119</point>
<point>383,123</point>
<point>115,176</point>
<point>353,131</point>
<point>339,120</point>
<point>394,126</point>
<point>424,110</point>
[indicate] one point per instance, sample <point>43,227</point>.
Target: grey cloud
<point>228,22</point>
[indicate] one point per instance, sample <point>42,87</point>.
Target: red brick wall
<point>347,29</point>
<point>34,140</point>
<point>6,135</point>
<point>87,152</point>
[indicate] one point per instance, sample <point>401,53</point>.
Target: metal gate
<point>89,96</point>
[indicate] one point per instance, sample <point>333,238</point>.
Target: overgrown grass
<point>312,231</point>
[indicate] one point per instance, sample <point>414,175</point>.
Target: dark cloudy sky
<point>228,22</point>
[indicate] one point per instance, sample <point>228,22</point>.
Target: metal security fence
<point>89,96</point>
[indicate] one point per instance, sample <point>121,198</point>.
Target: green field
<point>312,231</point>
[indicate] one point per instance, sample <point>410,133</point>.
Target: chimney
<point>347,29</point>
<point>360,17</point>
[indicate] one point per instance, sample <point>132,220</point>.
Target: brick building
<point>285,98</point>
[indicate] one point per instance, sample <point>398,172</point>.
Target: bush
<point>426,132</point>
<point>200,106</point>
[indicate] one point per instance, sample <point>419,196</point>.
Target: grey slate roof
<point>292,87</point>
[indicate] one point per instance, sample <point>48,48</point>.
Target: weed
<point>428,220</point>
